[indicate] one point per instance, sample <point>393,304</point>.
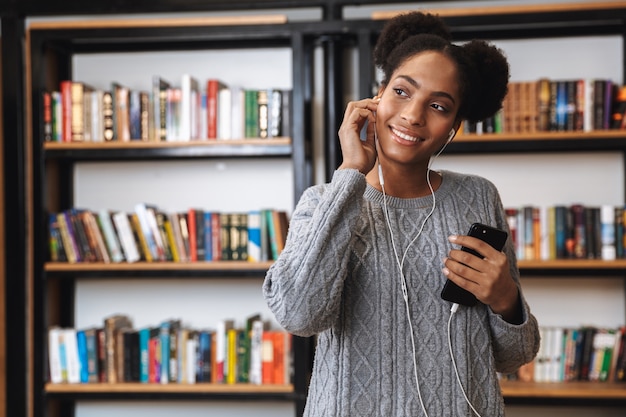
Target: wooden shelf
<point>174,388</point>
<point>539,136</point>
<point>138,144</point>
<point>512,10</point>
<point>214,269</point>
<point>564,390</point>
<point>574,264</point>
<point>279,147</point>
<point>157,266</point>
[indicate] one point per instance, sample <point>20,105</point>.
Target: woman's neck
<point>404,185</point>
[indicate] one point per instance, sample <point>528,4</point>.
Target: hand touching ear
<point>359,154</point>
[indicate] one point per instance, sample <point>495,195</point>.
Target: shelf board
<point>173,391</point>
<point>565,264</point>
<point>539,136</point>
<point>602,140</point>
<point>573,268</point>
<point>564,390</point>
<point>158,269</point>
<point>146,149</point>
<point>174,388</point>
<point>511,10</point>
<point>243,268</point>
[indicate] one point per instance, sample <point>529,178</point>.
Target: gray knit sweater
<point>338,278</point>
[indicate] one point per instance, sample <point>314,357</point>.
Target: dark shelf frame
<point>63,44</point>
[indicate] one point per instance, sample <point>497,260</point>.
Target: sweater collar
<point>447,183</point>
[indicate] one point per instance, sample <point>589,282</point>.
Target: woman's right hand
<point>359,154</point>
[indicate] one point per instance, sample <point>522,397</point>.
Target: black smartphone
<point>496,238</point>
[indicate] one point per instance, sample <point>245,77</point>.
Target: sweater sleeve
<point>513,345</point>
<point>303,288</point>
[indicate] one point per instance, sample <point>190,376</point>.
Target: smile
<point>405,136</point>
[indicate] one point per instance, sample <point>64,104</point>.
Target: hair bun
<point>404,26</point>
<point>492,77</point>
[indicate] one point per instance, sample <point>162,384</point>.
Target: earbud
<point>451,135</point>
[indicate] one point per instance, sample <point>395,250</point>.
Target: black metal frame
<point>333,33</point>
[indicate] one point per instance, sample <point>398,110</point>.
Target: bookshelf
<point>40,176</point>
<point>62,172</point>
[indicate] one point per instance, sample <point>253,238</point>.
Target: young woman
<point>368,254</point>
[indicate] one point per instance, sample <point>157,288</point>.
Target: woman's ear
<point>380,92</point>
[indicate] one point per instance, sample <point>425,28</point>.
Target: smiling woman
<point>368,253</point>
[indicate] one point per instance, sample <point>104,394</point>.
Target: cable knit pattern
<point>338,278</point>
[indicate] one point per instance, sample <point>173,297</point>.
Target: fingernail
<point>452,238</point>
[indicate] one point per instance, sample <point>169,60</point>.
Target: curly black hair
<point>483,69</point>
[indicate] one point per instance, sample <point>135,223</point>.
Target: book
<point>112,326</point>
<point>214,87</point>
<point>144,336</point>
<point>46,110</point>
<point>251,113</point>
<point>110,236</point>
<point>204,367</point>
<point>254,236</point>
<point>68,237</point>
<point>256,351</point>
<point>65,88</point>
<point>173,114</point>
<point>181,248</point>
<point>78,119</point>
<point>222,328</point>
<point>244,355</point>
<point>263,114</point>
<point>135,102</point>
<point>159,105</point>
<point>108,121</point>
<point>207,234</point>
<point>70,344</point>
<point>224,113</point>
<point>120,96</point>
<point>275,112</point>
<point>81,346</point>
<point>125,233</point>
<point>140,239</point>
<point>267,358</point>
<point>97,115</point>
<point>190,108</point>
<point>55,241</point>
<point>150,231</point>
<point>57,116</point>
<point>54,355</point>
<point>91,341</point>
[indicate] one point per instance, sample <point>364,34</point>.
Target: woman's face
<point>418,108</point>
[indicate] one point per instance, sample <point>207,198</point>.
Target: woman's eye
<point>399,91</point>
<point>439,107</point>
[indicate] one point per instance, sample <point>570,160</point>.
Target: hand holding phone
<point>496,239</point>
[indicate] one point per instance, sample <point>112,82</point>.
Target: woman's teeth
<point>405,136</point>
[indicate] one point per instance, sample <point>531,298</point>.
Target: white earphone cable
<point>400,263</point>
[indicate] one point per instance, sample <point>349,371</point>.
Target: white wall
<point>591,178</point>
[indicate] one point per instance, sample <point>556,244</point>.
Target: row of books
<point>577,354</point>
<point>170,353</point>
<point>573,231</point>
<point>189,110</point>
<point>547,105</point>
<point>151,235</point>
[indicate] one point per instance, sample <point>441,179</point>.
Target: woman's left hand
<point>488,278</point>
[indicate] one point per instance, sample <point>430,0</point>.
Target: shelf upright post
<point>302,57</point>
<point>15,258</point>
